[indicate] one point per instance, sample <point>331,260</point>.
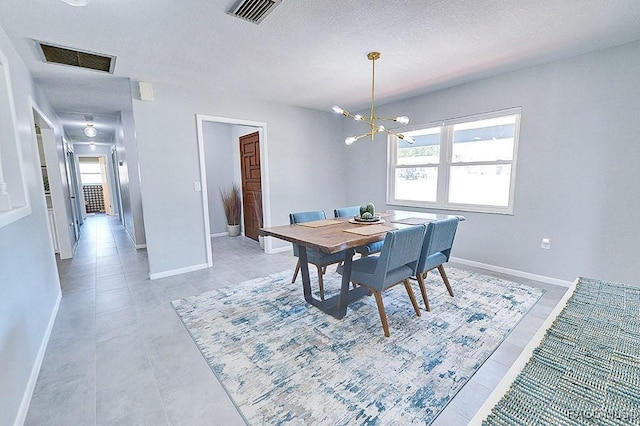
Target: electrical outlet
<point>546,243</point>
<point>197,187</point>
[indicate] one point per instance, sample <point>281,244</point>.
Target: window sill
<point>7,218</point>
<point>455,208</point>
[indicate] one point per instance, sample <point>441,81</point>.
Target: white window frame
<point>445,164</point>
<point>10,153</point>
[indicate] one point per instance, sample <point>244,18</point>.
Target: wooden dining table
<point>343,235</point>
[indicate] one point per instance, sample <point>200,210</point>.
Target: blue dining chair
<point>316,257</point>
<point>435,252</point>
<point>355,211</point>
<point>395,264</point>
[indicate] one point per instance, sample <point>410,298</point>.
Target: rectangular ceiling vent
<point>254,10</point>
<point>76,58</point>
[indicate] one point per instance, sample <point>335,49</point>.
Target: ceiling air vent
<point>254,10</point>
<point>77,58</point>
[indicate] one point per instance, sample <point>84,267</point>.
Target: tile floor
<point>118,353</point>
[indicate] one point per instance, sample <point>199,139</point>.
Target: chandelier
<point>371,120</point>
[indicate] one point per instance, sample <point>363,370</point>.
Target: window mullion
<point>446,140</point>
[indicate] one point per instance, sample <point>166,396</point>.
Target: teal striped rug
<point>586,370</point>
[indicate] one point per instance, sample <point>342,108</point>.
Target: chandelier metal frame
<point>371,120</point>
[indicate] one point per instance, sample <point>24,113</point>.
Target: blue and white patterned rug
<point>283,361</point>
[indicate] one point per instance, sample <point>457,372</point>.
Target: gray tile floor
<point>118,353</point>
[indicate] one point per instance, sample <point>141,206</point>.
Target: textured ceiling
<point>306,53</point>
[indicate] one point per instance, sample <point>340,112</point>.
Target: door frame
<point>61,203</point>
<point>264,173</point>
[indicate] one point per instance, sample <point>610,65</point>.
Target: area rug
<point>284,362</point>
<point>586,369</point>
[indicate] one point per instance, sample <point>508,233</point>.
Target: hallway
<point>118,353</point>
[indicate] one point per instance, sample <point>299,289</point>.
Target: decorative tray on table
<point>362,221</point>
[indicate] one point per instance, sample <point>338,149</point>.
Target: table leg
<point>304,268</point>
<point>343,301</point>
<point>335,306</point>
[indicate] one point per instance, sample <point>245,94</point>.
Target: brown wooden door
<point>251,184</point>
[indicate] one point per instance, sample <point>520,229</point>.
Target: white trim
<point>178,271</point>
<point>505,383</point>
<point>133,243</point>
<point>219,234</point>
<point>35,370</point>
<point>15,214</point>
<point>514,272</point>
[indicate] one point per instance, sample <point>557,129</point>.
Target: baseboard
<point>35,370</point>
<point>514,272</point>
<point>219,234</point>
<point>279,250</point>
<point>133,241</point>
<point>178,271</point>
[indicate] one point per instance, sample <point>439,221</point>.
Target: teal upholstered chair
<point>395,264</point>
<point>316,257</point>
<point>355,211</point>
<point>436,250</point>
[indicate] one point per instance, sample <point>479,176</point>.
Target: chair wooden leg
<point>423,290</point>
<point>407,286</point>
<point>383,315</point>
<point>443,274</point>
<point>320,282</point>
<point>295,273</point>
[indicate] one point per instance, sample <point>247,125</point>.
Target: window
<point>90,171</point>
<point>14,203</point>
<point>463,164</point>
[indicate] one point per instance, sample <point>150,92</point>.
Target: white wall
<point>29,285</point>
<point>577,177</point>
<point>219,161</point>
<point>127,152</point>
<point>304,163</point>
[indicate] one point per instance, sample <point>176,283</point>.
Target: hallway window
<point>90,171</point>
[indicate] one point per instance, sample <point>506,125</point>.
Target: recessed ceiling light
<point>77,2</point>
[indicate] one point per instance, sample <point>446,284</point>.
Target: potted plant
<point>232,206</point>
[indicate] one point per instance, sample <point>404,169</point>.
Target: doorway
<point>95,185</point>
<point>261,128</point>
<point>54,183</point>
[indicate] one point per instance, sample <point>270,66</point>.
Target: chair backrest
<point>401,248</point>
<point>302,217</point>
<point>438,240</point>
<point>347,211</point>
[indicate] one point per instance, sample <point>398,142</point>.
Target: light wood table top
<point>336,235</point>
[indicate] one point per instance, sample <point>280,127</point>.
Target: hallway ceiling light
<point>371,120</point>
<point>90,131</point>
